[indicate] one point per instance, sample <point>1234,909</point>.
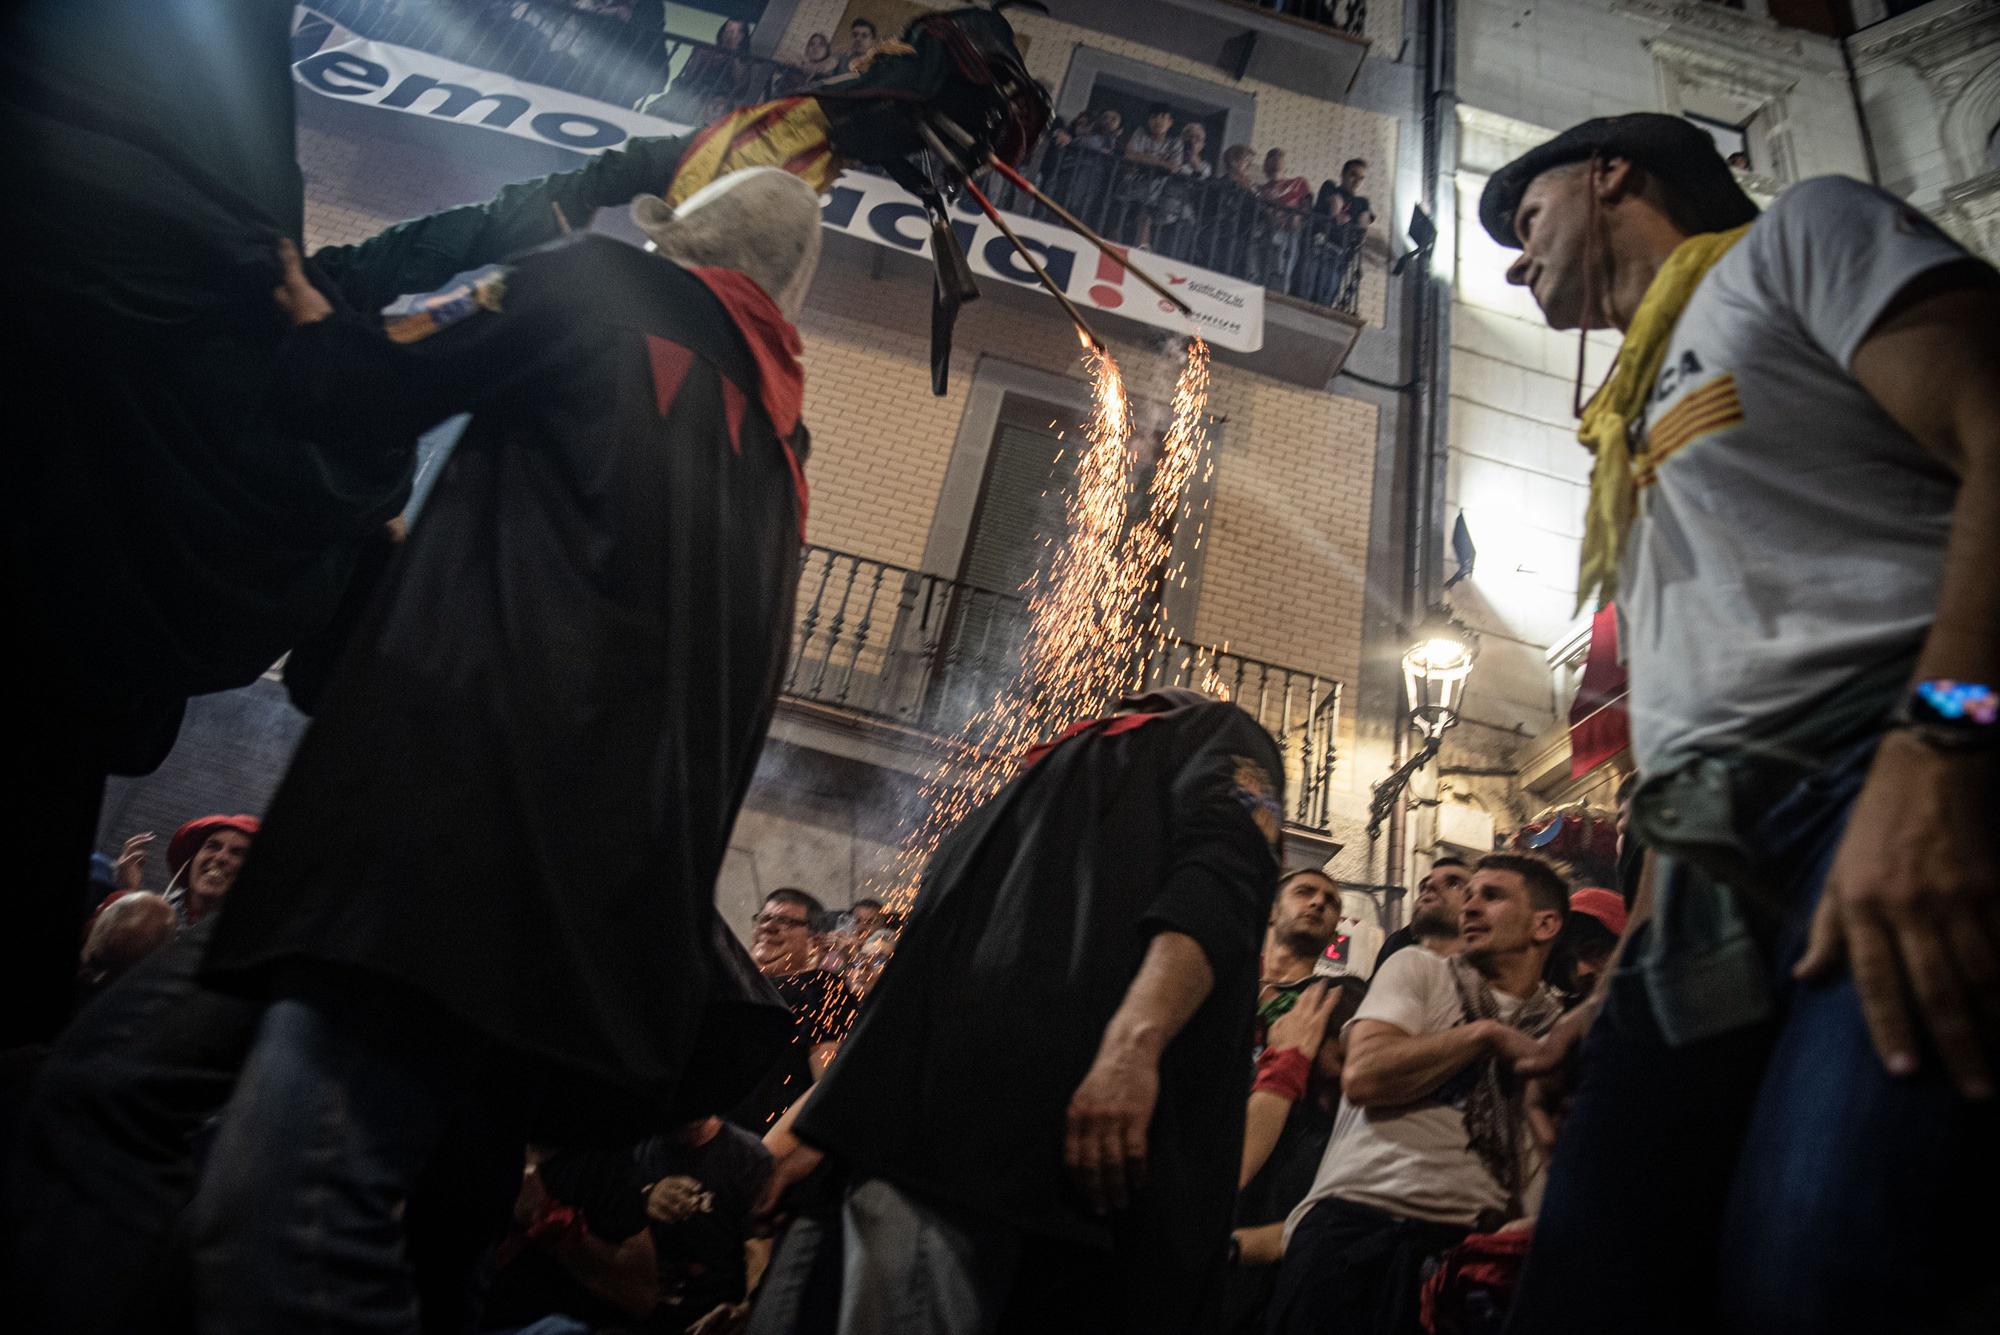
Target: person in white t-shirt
<point>1429,1142</point>
<point>1796,502</point>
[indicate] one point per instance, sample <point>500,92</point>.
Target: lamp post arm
<point>1390,788</point>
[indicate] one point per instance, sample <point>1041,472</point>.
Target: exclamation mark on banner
<point>1109,291</point>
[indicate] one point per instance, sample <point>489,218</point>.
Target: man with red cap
<point>203,857</point>
<point>1790,1074</point>
<point>1590,933</point>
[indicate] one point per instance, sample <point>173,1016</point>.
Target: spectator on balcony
<point>714,79</point>
<point>1186,193</point>
<point>1042,1106</point>
<point>861,40</point>
<point>1084,169</point>
<point>818,64</point>
<point>784,942</point>
<point>1104,135</point>
<point>1227,236</point>
<point>1282,224</point>
<point>1342,217</point>
<point>1430,1141</point>
<point>1151,155</point>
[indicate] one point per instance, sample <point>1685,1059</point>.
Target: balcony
<point>898,659</point>
<point>1315,47</point>
<point>1312,255</point>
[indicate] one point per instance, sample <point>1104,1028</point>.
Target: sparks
<point>1094,623</point>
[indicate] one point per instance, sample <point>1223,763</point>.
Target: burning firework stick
<point>1074,223</point>
<point>979,197</point>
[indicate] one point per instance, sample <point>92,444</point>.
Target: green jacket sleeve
<point>421,254</point>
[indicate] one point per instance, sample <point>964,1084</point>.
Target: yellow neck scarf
<point>1613,412</point>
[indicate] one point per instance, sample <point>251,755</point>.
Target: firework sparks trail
<point>1093,622</point>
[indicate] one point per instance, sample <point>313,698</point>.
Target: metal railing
<point>925,652</point>
<point>593,48</point>
<point>1350,18</point>
<point>1313,254</point>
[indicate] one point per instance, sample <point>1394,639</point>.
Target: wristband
<point>1283,1071</point>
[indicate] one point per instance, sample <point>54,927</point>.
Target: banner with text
<point>335,62</point>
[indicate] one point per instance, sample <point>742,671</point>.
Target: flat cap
<point>1677,151</point>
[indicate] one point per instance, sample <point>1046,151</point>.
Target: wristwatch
<point>1951,715</point>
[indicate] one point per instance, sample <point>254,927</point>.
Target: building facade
<point>1400,384</point>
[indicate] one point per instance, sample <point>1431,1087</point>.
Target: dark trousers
<point>105,1160</point>
<point>1353,1270</point>
<point>299,1222</point>
<point>60,791</point>
<point>1773,1180</point>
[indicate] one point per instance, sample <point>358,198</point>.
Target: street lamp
<point>1435,669</point>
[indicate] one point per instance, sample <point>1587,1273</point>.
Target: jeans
<point>914,1267</point>
<point>1774,1179</point>
<point>918,1269</point>
<point>800,1291</point>
<point>1278,252</point>
<point>299,1221</point>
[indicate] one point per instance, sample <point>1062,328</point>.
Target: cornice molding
<point>1746,75</point>
<point>1741,32</point>
<point>1926,39</point>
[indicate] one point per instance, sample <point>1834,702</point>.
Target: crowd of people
<point>716,77</point>
<point>452,1037</point>
<point>676,1231</point>
<point>1163,186</point>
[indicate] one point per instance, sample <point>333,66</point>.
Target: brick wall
<point>1288,532</point>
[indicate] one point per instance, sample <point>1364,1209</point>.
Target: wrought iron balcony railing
<point>1348,17</point>
<point>1198,215</point>
<point>900,646</point>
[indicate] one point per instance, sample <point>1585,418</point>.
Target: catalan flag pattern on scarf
<point>791,133</point>
<point>1614,412</point>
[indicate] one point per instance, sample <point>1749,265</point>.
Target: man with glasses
<point>782,943</point>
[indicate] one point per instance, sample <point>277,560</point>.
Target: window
<point>1003,497</point>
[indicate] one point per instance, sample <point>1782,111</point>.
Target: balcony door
<point>1000,509</point>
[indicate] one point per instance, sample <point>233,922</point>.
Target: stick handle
<point>986,205</point>
<point>1077,225</point>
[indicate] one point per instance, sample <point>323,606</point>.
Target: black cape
<point>519,788</point>
<point>1032,922</point>
<point>168,535</point>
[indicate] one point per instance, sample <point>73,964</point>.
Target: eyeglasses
<point>776,920</point>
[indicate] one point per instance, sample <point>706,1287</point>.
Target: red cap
<point>1607,906</point>
<point>188,839</point>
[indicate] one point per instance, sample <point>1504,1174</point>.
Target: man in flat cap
<point>1796,503</point>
